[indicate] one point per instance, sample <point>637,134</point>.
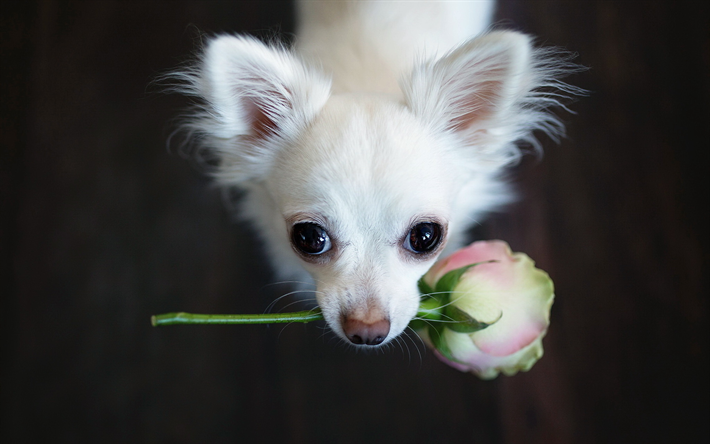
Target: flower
<point>493,309</point>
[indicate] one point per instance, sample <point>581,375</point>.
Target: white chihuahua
<point>373,144</point>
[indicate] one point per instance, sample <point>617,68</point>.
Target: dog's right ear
<point>256,95</point>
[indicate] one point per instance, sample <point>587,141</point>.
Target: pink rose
<point>501,306</point>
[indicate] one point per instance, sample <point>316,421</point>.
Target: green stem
<point>426,310</point>
<point>227,319</point>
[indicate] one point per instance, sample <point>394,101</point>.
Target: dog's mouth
<point>369,328</point>
<point>368,315</point>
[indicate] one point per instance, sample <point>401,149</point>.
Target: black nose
<point>365,333</point>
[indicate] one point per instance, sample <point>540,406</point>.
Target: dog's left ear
<point>484,91</point>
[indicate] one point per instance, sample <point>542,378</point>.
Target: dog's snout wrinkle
<point>366,333</point>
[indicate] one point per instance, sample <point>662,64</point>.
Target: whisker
<point>298,302</point>
<point>400,341</point>
<point>414,343</point>
<point>291,282</point>
<point>421,340</point>
<point>271,305</point>
<point>297,284</point>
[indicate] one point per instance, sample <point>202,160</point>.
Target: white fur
<point>383,115</point>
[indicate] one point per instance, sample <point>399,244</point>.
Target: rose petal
<point>476,252</point>
<point>511,294</point>
<point>514,290</point>
<point>487,366</point>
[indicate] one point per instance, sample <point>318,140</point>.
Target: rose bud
<point>489,309</point>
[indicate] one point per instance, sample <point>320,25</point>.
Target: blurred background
<point>103,226</point>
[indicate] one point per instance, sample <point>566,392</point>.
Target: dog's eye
<point>423,237</point>
<point>309,238</point>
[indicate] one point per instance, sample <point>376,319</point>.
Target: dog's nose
<point>360,332</point>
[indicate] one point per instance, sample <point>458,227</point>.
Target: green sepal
<point>430,308</point>
<point>449,281</point>
<point>418,324</point>
<point>436,334</point>
<point>461,322</point>
<point>424,288</point>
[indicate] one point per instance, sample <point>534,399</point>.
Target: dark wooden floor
<point>102,227</point>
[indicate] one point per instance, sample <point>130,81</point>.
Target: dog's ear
<point>487,92</point>
<point>255,96</point>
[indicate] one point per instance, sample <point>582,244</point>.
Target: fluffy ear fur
<point>491,92</point>
<point>255,97</point>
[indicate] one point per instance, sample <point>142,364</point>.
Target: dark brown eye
<point>423,237</point>
<point>310,238</point>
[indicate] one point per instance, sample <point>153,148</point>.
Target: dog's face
<point>366,195</point>
<point>361,190</point>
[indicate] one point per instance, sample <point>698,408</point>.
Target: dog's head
<point>364,191</point>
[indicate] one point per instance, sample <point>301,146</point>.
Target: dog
<point>373,144</point>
